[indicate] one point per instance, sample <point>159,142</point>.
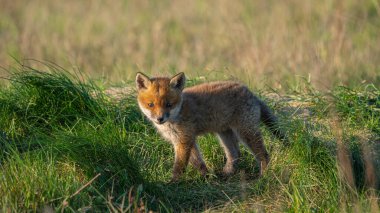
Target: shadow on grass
<point>204,193</point>
<point>365,163</point>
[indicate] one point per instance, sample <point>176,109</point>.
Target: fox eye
<point>168,105</point>
<point>151,104</point>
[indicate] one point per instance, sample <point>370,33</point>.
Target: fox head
<point>160,99</point>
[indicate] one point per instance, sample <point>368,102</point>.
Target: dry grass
<point>260,42</point>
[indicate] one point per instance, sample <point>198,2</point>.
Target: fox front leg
<point>182,154</point>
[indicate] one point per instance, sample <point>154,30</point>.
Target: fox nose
<point>160,119</point>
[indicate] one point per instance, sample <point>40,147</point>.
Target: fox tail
<point>271,121</point>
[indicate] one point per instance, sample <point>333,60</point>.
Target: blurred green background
<point>263,43</point>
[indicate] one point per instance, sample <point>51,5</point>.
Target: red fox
<point>228,109</point>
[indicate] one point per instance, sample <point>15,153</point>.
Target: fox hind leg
<point>197,161</point>
<point>230,144</point>
<point>255,143</point>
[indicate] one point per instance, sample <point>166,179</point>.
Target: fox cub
<point>228,109</point>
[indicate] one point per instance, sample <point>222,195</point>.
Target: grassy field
<point>259,42</point>
<point>66,145</point>
<point>73,139</point>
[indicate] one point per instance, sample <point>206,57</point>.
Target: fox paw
<point>203,170</point>
<point>228,170</point>
<point>173,180</point>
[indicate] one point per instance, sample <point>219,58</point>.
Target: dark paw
<point>204,171</point>
<point>174,179</point>
<point>222,175</point>
<point>228,171</point>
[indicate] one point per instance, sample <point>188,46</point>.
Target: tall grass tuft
<point>39,99</point>
<point>52,120</point>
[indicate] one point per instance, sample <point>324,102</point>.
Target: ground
<point>69,145</point>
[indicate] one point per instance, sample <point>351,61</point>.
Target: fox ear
<point>142,81</point>
<point>178,81</point>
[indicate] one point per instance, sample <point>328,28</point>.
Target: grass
<point>67,146</point>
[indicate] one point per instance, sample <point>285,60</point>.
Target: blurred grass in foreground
<point>260,42</point>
